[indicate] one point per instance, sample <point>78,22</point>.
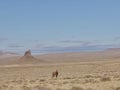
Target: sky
<point>52,26</point>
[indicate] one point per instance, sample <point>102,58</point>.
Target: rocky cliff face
<point>28,56</point>
<point>27,53</point>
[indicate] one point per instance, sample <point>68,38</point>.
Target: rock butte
<point>28,56</point>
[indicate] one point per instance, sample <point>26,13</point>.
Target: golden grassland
<point>77,71</point>
<point>72,76</point>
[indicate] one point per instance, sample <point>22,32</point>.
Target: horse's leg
<point>56,75</point>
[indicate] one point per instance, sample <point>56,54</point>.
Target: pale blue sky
<point>59,25</point>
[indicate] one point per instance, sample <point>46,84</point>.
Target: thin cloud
<point>3,39</point>
<point>35,40</point>
<point>40,45</point>
<point>76,42</point>
<point>58,49</point>
<point>71,41</point>
<point>116,39</point>
<point>72,46</point>
<point>15,46</point>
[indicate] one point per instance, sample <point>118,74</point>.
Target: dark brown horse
<point>55,74</point>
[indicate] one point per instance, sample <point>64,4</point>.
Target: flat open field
<point>103,75</point>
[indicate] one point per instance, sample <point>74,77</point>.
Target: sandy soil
<point>72,76</point>
<point>77,71</point>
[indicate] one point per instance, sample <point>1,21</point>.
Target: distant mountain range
<point>7,53</point>
<point>106,55</point>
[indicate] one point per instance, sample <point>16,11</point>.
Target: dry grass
<point>118,88</point>
<point>76,76</point>
<point>104,79</point>
<point>60,89</point>
<point>77,88</point>
<point>41,88</point>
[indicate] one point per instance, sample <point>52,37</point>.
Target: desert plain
<point>77,71</point>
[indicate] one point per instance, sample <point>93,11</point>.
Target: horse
<point>55,74</point>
